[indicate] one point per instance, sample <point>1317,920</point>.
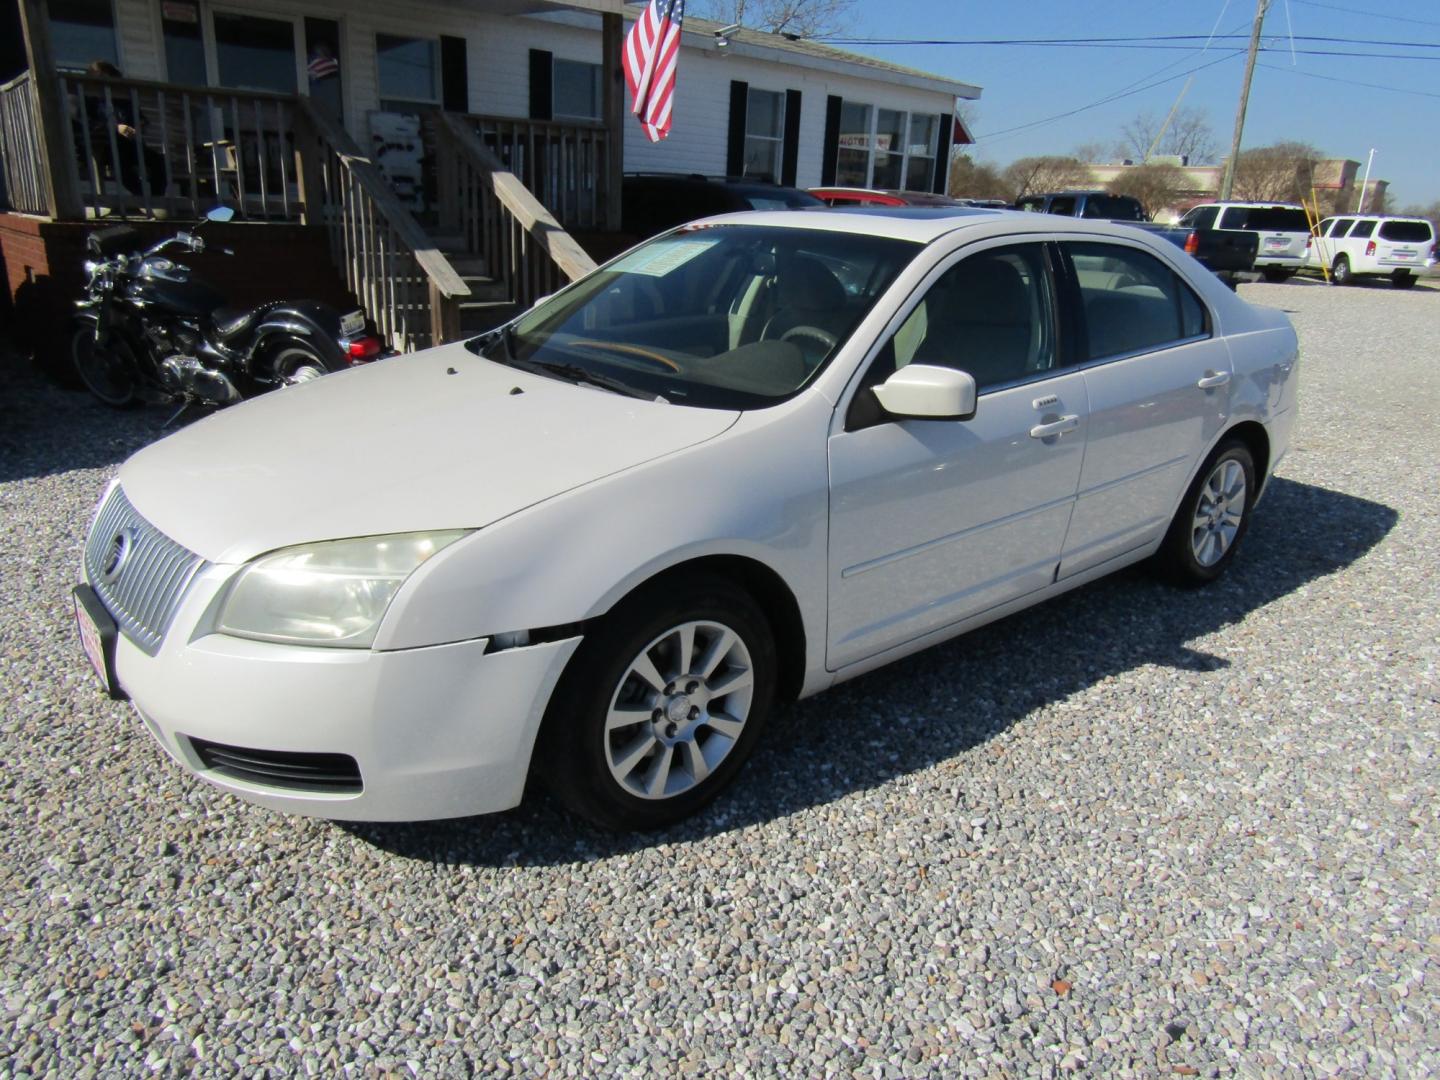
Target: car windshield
<point>727,316</point>
<point>1406,232</point>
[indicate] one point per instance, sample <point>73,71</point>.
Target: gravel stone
<point>1134,832</point>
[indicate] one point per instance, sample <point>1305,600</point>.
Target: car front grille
<point>337,773</point>
<point>139,573</point>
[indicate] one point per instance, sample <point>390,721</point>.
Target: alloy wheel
<point>1218,513</point>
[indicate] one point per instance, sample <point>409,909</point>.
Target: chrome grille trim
<point>146,593</point>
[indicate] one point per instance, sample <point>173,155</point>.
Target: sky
<point>1291,98</point>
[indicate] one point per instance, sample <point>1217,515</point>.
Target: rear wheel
<point>294,363</point>
<point>660,706</point>
<point>108,371</point>
<point>1340,273</point>
<point>1213,517</point>
<point>1402,279</point>
<point>1277,274</point>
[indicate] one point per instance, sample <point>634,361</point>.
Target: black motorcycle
<point>148,330</point>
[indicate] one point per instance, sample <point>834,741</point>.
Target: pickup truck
<point>1229,254</point>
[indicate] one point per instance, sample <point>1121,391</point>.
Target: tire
<point>1277,274</point>
<point>1340,273</point>
<point>294,362</point>
<point>628,751</point>
<point>1402,279</point>
<point>111,373</point>
<point>1213,517</point>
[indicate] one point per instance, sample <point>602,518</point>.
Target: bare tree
<point>1158,185</point>
<point>970,179</point>
<point>1049,172</point>
<point>1188,135</point>
<point>1284,172</point>
<point>1091,151</point>
<point>801,18</point>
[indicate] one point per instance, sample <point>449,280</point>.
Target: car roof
<point>919,224</point>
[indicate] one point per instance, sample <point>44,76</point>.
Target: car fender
<point>759,491</point>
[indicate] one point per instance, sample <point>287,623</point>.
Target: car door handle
<point>1214,379</point>
<point>1055,427</point>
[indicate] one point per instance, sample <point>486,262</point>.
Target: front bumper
<point>437,732</point>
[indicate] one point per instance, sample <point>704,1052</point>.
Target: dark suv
<point>654,202</point>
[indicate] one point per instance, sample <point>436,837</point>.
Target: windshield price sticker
<point>657,260</point>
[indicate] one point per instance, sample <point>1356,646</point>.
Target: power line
<point>1368,14</point>
<point>1351,82</point>
<point>1133,39</point>
<point>1107,99</point>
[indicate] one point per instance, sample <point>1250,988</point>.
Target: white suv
<point>1395,247</point>
<point>1283,227</point>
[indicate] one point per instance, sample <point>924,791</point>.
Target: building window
<point>764,134</point>
<point>409,70</point>
<point>577,90</point>
<point>255,53</point>
<point>886,148</point>
<point>82,31</point>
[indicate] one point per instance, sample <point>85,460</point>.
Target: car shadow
<point>849,738</point>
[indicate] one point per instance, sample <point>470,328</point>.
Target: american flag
<point>652,49</point>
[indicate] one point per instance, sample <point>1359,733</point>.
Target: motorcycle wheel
<point>294,364</point>
<point>108,372</point>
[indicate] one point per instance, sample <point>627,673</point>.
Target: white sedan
<point>750,459</point>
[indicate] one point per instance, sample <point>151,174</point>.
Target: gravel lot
<point>1135,832</point>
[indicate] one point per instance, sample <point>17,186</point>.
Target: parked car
<point>1229,255</point>
<point>1282,230</point>
<point>1097,205</point>
<point>849,196</point>
<point>654,202</point>
<point>1399,248</point>
<point>598,544</point>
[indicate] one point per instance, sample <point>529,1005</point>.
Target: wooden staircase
<point>489,303</point>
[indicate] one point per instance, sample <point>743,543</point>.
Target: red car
<point>848,196</point>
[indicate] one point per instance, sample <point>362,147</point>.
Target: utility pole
<point>1365,184</point>
<point>1227,184</point>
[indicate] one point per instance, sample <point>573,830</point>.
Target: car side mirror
<point>925,392</point>
<point>220,213</point>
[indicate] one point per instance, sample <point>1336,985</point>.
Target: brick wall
<point>42,262</point>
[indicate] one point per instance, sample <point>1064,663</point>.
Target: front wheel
<point>1213,517</point>
<point>660,706</point>
<point>108,371</point>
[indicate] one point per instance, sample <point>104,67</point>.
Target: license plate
<point>352,323</point>
<point>97,637</point>
<point>1276,242</point>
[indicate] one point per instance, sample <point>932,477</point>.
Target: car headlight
<point>333,593</point>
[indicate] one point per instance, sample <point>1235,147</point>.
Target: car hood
<point>439,440</point>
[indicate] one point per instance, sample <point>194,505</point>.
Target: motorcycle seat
<point>231,322</point>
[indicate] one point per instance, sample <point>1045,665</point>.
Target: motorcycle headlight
<point>333,593</point>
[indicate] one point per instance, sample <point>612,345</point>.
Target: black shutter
<point>791,147</point>
<point>942,155</point>
<point>735,145</point>
<point>831,150</point>
<point>454,79</point>
<point>542,86</point>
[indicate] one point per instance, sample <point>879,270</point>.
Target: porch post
<point>612,81</point>
<point>62,186</point>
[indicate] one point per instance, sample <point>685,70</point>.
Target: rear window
<point>1406,232</point>
<point>1113,208</point>
<point>1266,219</point>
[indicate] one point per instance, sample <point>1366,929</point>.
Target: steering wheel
<point>814,333</point>
<point>637,351</point>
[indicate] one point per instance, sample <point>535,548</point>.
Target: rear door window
<point>1132,301</point>
<point>1341,227</point>
<point>1063,205</point>
<point>1406,232</point>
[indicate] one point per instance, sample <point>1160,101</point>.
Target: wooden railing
<point>525,249</point>
<point>20,154</point>
<point>146,149</point>
<point>563,163</point>
<point>391,265</point>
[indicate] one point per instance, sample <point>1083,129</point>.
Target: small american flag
<point>652,50</point>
